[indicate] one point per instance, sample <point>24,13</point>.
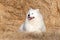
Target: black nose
<point>28,15</point>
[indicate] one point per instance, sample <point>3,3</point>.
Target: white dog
<point>34,22</point>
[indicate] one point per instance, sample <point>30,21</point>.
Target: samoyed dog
<point>34,22</point>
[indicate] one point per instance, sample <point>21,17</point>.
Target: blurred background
<point>13,12</point>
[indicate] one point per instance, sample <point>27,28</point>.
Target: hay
<point>13,12</point>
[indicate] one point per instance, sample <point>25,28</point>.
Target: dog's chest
<point>33,25</point>
<point>36,22</point>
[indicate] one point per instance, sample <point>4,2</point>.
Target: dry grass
<point>13,12</point>
<point>29,36</point>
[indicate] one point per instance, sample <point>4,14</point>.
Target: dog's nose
<point>28,15</point>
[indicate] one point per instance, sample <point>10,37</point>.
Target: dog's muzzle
<point>30,18</point>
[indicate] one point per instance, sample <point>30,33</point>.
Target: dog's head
<point>32,13</point>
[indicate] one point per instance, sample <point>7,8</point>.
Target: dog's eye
<point>32,13</point>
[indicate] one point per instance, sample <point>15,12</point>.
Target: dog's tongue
<point>30,18</point>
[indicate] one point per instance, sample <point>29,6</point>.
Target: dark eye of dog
<point>32,13</point>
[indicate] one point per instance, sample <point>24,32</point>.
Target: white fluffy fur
<point>34,25</point>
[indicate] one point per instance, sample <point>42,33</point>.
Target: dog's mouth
<point>30,18</point>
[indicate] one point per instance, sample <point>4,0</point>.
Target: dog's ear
<point>30,8</point>
<point>37,9</point>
